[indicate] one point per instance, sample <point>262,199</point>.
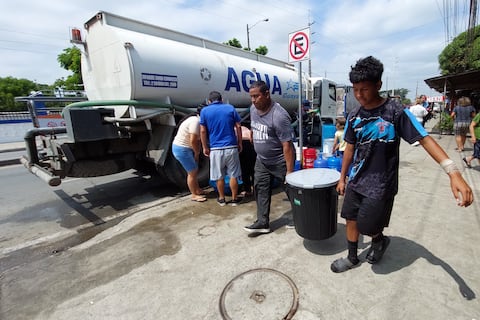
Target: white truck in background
<point>346,100</point>
<point>140,80</point>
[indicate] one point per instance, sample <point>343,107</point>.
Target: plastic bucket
<point>328,146</point>
<point>314,202</point>
<point>228,191</point>
<point>309,156</point>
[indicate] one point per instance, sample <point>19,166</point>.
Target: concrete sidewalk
<point>194,261</point>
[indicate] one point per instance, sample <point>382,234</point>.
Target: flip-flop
<point>199,199</point>
<point>342,265</point>
<point>468,165</point>
<point>376,251</point>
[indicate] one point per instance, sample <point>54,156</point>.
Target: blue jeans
<point>264,179</point>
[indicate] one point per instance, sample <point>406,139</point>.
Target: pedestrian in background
<point>462,114</point>
<point>475,138</point>
<point>186,149</point>
<point>419,111</point>
<point>221,136</point>
<point>426,105</point>
<point>338,143</point>
<point>272,139</point>
<point>373,133</point>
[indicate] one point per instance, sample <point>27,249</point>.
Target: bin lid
<point>313,178</point>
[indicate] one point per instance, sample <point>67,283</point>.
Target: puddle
<point>51,274</point>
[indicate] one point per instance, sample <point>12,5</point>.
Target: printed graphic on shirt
<point>260,132</point>
<point>375,129</point>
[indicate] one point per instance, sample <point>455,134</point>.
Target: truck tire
<point>96,168</point>
<point>203,171</point>
<point>178,176</point>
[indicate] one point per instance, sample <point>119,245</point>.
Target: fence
<point>15,117</point>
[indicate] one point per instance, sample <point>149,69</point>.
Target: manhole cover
<point>259,294</point>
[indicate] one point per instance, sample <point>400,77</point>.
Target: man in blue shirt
<point>221,135</point>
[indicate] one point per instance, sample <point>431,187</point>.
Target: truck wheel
<point>203,171</point>
<point>96,168</point>
<point>178,176</point>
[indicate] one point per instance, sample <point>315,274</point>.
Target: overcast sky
<point>406,35</point>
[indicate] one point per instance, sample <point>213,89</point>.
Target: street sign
<point>299,45</point>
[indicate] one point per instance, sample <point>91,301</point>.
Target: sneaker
<point>257,228</point>
<point>290,225</point>
<point>376,251</point>
<point>221,202</point>
<point>235,202</point>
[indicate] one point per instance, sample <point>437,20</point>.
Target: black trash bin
<point>314,202</point>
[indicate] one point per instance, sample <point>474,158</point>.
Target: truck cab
<point>324,99</point>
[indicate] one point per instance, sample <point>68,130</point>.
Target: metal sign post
<point>300,116</point>
<point>299,50</point>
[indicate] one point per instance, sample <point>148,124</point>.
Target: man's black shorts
<point>372,215</point>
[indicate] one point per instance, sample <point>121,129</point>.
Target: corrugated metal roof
<point>469,80</point>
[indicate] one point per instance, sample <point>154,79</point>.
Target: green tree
<point>233,43</point>
<point>69,59</point>
<point>461,55</point>
<point>263,50</point>
<point>12,87</point>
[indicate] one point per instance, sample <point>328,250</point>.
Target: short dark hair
<point>261,85</point>
<point>214,96</point>
<point>366,69</point>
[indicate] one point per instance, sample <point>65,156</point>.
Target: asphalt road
<point>183,260</point>
<point>34,213</point>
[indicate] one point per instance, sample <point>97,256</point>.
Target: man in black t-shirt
<point>373,133</point>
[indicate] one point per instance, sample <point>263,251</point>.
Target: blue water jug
<point>227,189</point>
<point>320,162</point>
<point>335,163</point>
<point>298,165</point>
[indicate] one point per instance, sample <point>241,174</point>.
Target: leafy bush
<point>445,125</point>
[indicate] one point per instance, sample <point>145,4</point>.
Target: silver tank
<point>124,59</point>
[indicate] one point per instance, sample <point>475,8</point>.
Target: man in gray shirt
<point>272,139</point>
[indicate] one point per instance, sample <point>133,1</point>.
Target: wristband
<point>448,166</point>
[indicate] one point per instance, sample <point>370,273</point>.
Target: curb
<point>12,150</point>
<point>9,162</point>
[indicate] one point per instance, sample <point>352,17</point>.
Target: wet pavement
<point>188,260</point>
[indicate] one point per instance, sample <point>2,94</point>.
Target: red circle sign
<point>298,46</point>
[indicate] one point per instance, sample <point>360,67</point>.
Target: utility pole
<point>393,75</point>
<point>248,31</point>
<point>311,43</point>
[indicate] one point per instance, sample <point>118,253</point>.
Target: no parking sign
<point>299,45</point>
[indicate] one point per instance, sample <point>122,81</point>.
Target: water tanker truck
<point>141,80</point>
